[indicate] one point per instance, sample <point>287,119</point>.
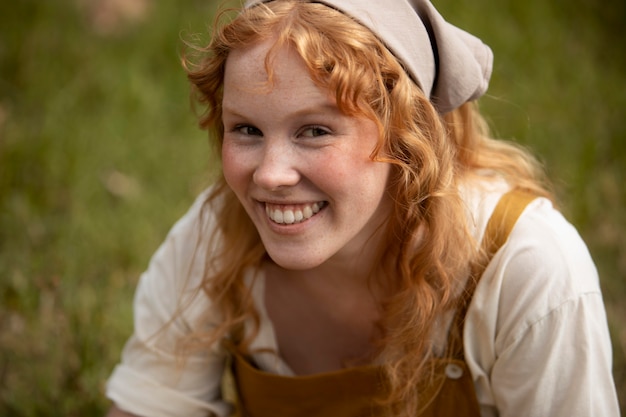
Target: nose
<point>277,167</point>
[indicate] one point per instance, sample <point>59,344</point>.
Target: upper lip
<point>281,202</point>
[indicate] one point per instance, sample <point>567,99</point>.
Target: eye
<point>248,130</point>
<point>314,131</point>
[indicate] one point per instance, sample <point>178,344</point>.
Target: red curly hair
<point>428,249</point>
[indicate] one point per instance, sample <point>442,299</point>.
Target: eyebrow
<point>317,109</point>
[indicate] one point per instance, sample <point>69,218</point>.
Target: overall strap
<point>501,222</point>
<point>504,217</point>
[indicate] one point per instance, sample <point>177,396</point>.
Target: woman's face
<point>301,168</point>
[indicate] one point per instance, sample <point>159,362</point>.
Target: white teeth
<point>278,216</point>
<point>291,216</point>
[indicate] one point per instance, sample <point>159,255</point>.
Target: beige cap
<point>450,65</point>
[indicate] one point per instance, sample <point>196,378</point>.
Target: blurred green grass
<point>100,154</point>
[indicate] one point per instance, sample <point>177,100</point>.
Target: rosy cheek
<point>232,166</point>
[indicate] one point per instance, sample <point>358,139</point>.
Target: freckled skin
<point>291,145</point>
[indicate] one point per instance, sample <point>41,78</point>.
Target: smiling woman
<point>368,248</point>
<point>299,154</point>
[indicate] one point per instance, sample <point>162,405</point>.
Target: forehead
<point>284,81</point>
<point>252,63</point>
<point>247,61</point>
<point>264,71</point>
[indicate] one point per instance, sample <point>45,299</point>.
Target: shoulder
<point>543,263</point>
<point>153,378</point>
<point>544,250</point>
<point>187,242</point>
<point>537,315</point>
<point>176,270</point>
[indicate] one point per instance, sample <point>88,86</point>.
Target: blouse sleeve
<point>536,334</point>
<point>154,379</point>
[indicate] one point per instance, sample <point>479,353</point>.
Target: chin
<point>295,263</point>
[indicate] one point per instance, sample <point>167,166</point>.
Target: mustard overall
<point>352,392</point>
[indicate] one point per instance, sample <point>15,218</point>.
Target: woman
<point>340,259</point>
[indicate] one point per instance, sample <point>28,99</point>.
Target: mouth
<point>293,213</point>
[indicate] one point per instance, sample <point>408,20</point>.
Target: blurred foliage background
<point>100,154</point>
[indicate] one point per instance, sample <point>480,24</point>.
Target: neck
<point>345,277</point>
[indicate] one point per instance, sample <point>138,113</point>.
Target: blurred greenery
<point>100,154</point>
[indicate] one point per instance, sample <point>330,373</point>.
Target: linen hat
<point>450,66</point>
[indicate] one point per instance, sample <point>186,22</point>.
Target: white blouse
<point>536,338</point>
